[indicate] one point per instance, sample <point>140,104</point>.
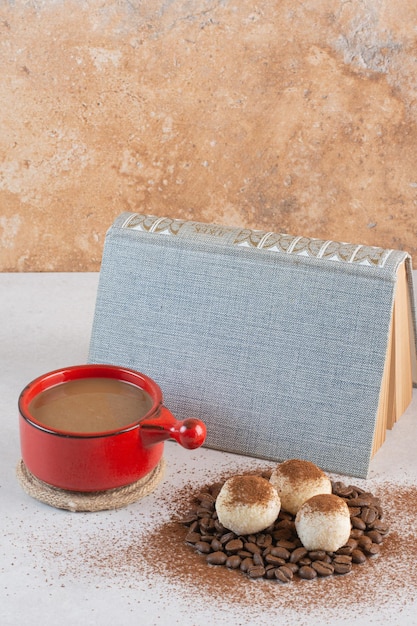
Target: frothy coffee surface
<point>90,405</point>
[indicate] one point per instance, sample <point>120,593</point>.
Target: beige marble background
<point>281,115</point>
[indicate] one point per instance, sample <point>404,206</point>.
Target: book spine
<point>282,243</point>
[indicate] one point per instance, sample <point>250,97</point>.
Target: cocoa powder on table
<point>129,555</point>
<point>380,581</point>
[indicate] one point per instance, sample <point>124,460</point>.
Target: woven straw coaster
<point>92,501</point>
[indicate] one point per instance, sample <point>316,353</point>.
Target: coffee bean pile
<point>277,553</point>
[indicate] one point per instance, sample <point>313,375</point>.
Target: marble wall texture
<point>285,115</point>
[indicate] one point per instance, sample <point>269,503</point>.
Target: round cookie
<point>247,504</point>
<point>323,523</point>
<point>296,481</point>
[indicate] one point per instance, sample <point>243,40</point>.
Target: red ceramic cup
<point>99,461</point>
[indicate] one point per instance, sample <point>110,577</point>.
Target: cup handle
<point>189,433</point>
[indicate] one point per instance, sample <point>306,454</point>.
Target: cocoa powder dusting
<point>326,503</point>
<point>298,470</point>
<point>128,554</point>
<point>249,490</point>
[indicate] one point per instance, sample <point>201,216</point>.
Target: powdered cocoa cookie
<point>323,523</point>
<point>296,481</point>
<point>247,504</point>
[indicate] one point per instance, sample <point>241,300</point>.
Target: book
<point>285,346</point>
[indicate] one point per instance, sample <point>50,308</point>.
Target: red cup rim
<point>77,372</point>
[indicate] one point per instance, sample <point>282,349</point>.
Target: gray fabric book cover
<point>277,342</point>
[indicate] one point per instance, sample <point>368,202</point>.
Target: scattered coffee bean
<point>358,556</point>
<point>323,568</point>
<point>360,501</point>
<point>246,564</point>
<point>244,553</point>
<point>307,572</point>
<point>228,536</point>
<point>342,568</point>
<point>369,514</point>
<point>284,574</point>
<point>258,559</point>
<point>216,558</point>
<point>274,560</point>
<point>203,546</point>
<point>207,525</point>
<point>234,545</point>
<point>375,536</point>
<point>340,558</point>
<point>256,571</point>
<point>206,538</point>
<point>280,552</point>
<point>373,549</point>
<point>233,561</point>
<point>345,550</point>
<point>380,527</point>
<point>263,541</point>
<point>189,518</point>
<point>342,490</point>
<point>215,545</point>
<point>342,564</point>
<point>298,554</point>
<point>206,497</point>
<point>364,542</point>
<point>316,555</point>
<point>357,522</point>
<point>252,547</point>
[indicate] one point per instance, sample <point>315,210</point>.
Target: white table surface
<point>45,323</point>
